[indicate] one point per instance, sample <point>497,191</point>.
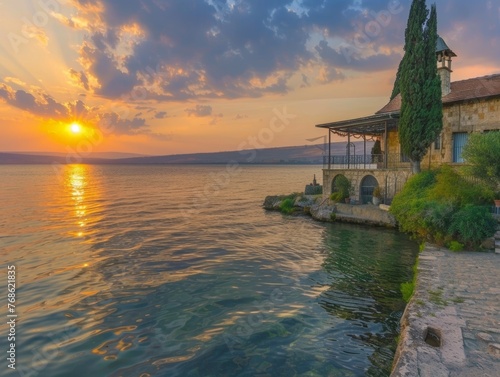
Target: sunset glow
<point>161,88</point>
<point>75,128</point>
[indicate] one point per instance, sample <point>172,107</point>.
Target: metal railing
<point>366,161</point>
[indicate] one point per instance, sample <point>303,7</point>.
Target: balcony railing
<point>366,162</point>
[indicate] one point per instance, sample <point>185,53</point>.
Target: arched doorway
<point>338,177</point>
<point>368,184</point>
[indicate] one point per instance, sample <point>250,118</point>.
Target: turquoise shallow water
<point>178,271</point>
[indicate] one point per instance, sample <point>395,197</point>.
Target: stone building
<point>471,105</point>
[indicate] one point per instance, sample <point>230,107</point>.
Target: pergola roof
<point>373,125</point>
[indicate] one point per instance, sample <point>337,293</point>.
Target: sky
<point>182,76</point>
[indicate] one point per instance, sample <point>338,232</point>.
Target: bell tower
<point>444,55</point>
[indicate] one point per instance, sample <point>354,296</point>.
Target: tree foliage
<point>396,90</point>
<point>472,224</point>
<point>420,86</point>
<point>482,154</point>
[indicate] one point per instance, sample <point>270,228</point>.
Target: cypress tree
<point>395,89</point>
<point>432,85</point>
<point>421,107</point>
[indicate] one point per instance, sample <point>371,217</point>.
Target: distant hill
<point>307,154</point>
<point>104,155</point>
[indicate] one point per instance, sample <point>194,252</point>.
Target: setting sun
<point>75,128</point>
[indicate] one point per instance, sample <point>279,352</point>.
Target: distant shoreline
<point>312,154</point>
<point>167,163</point>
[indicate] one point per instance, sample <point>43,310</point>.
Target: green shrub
<point>482,153</point>
<point>343,188</point>
<point>287,206</point>
<point>472,224</point>
<point>407,290</point>
<point>452,187</point>
<point>436,220</point>
<point>455,246</point>
<point>407,205</point>
<point>337,196</point>
<point>409,215</point>
<point>441,206</point>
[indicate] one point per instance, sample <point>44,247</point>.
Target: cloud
<point>148,109</point>
<point>47,107</point>
<point>43,105</point>
<point>210,49</point>
<point>161,115</point>
<point>120,126</point>
<point>328,74</point>
<point>15,80</point>
<point>80,78</point>
<point>198,49</point>
<point>351,58</point>
<point>305,81</point>
<point>79,110</point>
<point>200,111</point>
<point>31,31</point>
<point>215,118</point>
<point>113,82</point>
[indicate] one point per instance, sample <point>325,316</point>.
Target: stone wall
<point>473,116</point>
<point>390,181</point>
<point>353,214</point>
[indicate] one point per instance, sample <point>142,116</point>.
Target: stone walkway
<point>457,298</point>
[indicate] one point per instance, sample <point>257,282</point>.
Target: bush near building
<point>442,206</point>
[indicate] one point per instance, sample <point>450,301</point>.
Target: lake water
<point>178,271</point>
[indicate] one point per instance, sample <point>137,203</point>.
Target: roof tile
<point>464,90</point>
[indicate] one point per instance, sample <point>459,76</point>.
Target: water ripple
<point>121,278</point>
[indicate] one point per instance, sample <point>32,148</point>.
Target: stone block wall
<point>472,116</point>
<point>390,181</point>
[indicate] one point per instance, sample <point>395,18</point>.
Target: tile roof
<point>479,87</point>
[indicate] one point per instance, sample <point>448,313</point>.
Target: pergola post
<point>385,145</point>
<point>348,150</point>
<point>329,149</point>
<point>364,151</point>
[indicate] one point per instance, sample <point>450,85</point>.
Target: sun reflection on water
<point>77,182</point>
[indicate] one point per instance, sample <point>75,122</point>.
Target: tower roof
<point>441,46</point>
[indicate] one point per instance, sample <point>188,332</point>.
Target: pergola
<point>369,128</point>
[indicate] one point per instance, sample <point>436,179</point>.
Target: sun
<point>75,128</point>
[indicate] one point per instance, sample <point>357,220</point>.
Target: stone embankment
<point>324,210</point>
<point>451,326</point>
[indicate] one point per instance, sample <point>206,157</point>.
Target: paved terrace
<point>456,306</point>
